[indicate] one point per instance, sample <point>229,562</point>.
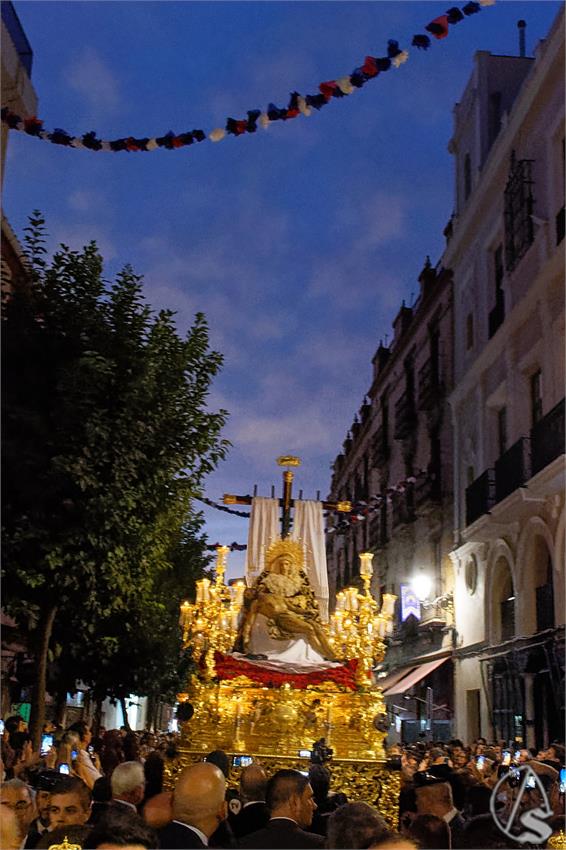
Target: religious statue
<point>283,596</point>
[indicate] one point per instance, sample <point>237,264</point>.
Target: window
<point>467,177</point>
<point>518,208</point>
<point>536,397</point>
<point>469,331</point>
<point>502,431</point>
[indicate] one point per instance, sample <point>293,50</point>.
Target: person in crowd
<point>68,751</point>
<point>290,800</point>
<point>101,796</point>
<point>434,797</point>
<point>128,785</point>
<point>354,825</point>
<point>409,765</point>
<point>76,834</point>
<point>429,831</point>
<point>121,829</point>
<point>112,751</point>
<point>223,835</point>
<point>199,805</point>
<point>553,756</point>
<point>131,747</point>
<point>254,813</point>
<point>43,782</point>
<point>393,841</point>
<point>9,830</point>
<point>153,767</point>
<point>326,803</point>
<point>18,797</point>
<point>70,802</point>
<point>86,766</point>
<point>158,811</point>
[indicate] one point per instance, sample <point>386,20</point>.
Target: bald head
<point>253,782</point>
<point>199,797</point>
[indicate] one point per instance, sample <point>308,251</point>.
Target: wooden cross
<point>286,503</point>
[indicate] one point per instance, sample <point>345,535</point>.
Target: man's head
<point>128,782</point>
<point>199,797</point>
<point>434,799</point>
<point>289,795</point>
<point>319,778</point>
<point>70,802</point>
<point>221,760</point>
<point>44,782</point>
<point>17,796</point>
<point>253,783</point>
<point>354,825</point>
<point>83,731</point>
<point>119,830</point>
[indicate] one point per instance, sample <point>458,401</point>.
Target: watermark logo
<point>525,806</point>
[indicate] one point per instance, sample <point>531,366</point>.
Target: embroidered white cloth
<point>308,527</point>
<point>263,528</point>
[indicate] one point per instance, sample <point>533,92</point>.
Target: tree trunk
<point>43,635</point>
<point>61,708</point>
<point>125,713</point>
<point>149,712</point>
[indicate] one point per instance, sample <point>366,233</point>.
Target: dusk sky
<point>298,242</point>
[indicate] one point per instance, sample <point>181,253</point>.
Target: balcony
<point>430,388</point>
<point>480,496</point>
<point>427,489</point>
<point>547,438</point>
<point>18,36</point>
<point>513,469</point>
<point>405,416</point>
<point>497,315</point>
<point>380,447</point>
<point>403,508</point>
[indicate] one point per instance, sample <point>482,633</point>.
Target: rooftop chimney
<point>521,26</point>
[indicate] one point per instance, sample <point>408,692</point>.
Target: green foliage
<point>107,434</point>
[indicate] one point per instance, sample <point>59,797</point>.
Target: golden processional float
<point>276,707</point>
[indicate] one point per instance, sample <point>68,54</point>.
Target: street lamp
<point>422,586</point>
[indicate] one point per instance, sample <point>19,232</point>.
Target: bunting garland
<point>211,504</point>
<point>298,104</point>
<point>233,547</point>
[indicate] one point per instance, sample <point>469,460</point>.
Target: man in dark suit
<point>199,805</point>
<point>254,813</point>
<point>290,801</point>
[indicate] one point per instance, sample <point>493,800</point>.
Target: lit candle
<point>199,591</point>
<point>239,588</point>
<point>205,582</point>
<point>340,601</point>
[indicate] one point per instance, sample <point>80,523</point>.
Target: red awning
<point>417,674</point>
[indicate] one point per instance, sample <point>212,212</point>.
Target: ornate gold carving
<point>362,780</point>
<point>228,499</point>
<point>344,507</point>
<point>288,460</point>
<point>65,846</point>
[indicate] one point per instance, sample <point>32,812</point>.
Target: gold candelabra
<point>211,622</point>
<point>358,625</point>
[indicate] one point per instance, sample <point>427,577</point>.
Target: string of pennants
<point>211,504</point>
<point>298,104</point>
<point>233,547</point>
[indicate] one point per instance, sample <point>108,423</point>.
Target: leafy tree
<point>106,436</point>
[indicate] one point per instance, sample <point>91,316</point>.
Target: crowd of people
<point>108,792</point>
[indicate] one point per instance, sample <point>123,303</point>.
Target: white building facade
<point>506,251</point>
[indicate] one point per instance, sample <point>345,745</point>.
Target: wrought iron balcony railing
<point>513,468</point>
<point>480,496</point>
<point>430,388</point>
<point>380,447</point>
<point>405,416</point>
<point>547,438</point>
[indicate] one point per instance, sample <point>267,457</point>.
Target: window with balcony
<point>518,209</point>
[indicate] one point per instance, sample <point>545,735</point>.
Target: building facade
<point>396,467</point>
<point>506,251</point>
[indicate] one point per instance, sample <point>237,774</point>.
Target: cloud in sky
<point>90,76</point>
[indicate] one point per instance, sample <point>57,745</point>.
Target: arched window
<point>542,581</point>
<point>503,602</point>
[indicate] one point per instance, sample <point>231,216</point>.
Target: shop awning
<point>393,677</point>
<point>416,674</point>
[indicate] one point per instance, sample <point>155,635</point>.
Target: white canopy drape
<point>308,527</point>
